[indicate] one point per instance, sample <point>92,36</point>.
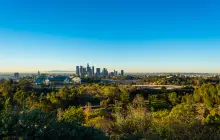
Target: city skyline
<point>136,36</point>
<point>92,71</point>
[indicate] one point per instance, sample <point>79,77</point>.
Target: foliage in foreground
<point>37,124</point>
<point>114,111</point>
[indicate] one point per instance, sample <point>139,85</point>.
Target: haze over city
<point>136,36</point>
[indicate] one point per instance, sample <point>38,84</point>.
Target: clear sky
<point>134,35</point>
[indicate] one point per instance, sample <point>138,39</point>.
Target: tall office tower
<point>84,71</point>
<point>89,71</point>
<point>93,71</point>
<point>104,72</point>
<point>111,73</point>
<point>38,74</point>
<point>77,71</point>
<point>122,73</point>
<point>98,71</point>
<point>81,71</point>
<point>16,75</point>
<point>88,68</point>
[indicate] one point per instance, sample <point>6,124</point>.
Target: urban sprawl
<point>82,75</point>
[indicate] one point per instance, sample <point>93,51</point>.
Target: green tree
<point>73,114</point>
<point>139,101</point>
<point>132,124</point>
<point>36,124</point>
<point>173,98</point>
<point>124,97</point>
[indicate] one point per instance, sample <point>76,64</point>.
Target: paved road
<point>140,86</point>
<point>159,86</point>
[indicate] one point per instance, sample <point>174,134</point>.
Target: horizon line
<point>67,71</point>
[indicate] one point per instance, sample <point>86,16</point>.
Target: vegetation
<point>110,111</point>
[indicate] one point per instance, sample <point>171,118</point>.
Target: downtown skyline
<point>92,71</point>
<point>137,36</point>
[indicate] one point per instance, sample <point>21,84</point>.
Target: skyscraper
<point>93,71</point>
<point>122,72</point>
<point>77,71</point>
<point>104,72</point>
<point>89,71</point>
<point>115,73</point>
<point>81,71</point>
<point>38,74</point>
<point>111,73</point>
<point>16,75</point>
<point>88,68</point>
<point>98,71</point>
<point>84,71</point>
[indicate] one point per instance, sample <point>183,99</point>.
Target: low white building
<point>76,80</point>
<point>58,80</point>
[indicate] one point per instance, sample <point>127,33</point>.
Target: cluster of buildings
<point>56,79</point>
<point>90,72</point>
<point>48,79</point>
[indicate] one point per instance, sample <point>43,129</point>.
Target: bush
<point>135,122</point>
<point>73,114</point>
<point>40,125</point>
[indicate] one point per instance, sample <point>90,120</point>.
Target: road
<point>159,86</point>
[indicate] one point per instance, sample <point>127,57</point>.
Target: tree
<point>73,114</point>
<point>139,101</point>
<point>20,97</point>
<point>173,98</point>
<point>37,124</point>
<point>124,97</point>
<point>133,123</point>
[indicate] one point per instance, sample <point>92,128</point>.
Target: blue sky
<point>134,35</point>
